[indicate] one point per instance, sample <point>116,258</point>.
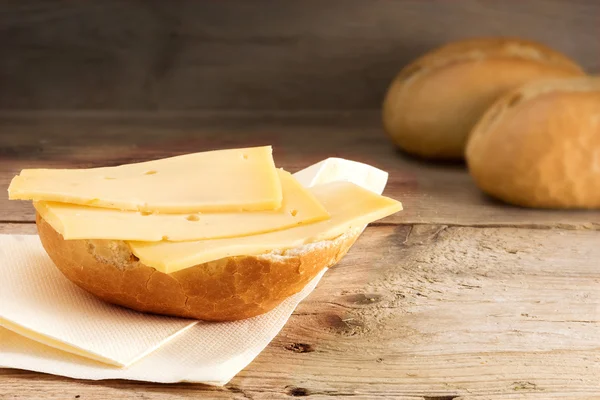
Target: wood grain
<point>293,55</point>
<point>431,193</point>
<point>457,297</point>
<point>424,312</point>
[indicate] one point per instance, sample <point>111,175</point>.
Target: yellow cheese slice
<point>299,206</point>
<point>223,180</point>
<point>349,206</point>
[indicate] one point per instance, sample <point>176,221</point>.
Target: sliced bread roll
<point>230,283</point>
<point>227,289</point>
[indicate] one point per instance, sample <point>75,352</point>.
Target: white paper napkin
<point>37,301</point>
<point>339,169</point>
<point>210,353</point>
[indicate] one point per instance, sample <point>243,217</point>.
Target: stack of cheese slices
<point>219,235</point>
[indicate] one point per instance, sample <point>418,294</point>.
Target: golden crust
<point>223,290</point>
<point>433,103</point>
<point>539,145</point>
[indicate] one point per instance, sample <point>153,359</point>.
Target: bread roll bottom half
<point>228,289</point>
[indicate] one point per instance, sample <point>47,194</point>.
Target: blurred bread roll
<point>539,146</point>
<point>433,103</point>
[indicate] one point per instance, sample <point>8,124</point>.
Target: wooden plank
<point>300,54</point>
<point>431,193</point>
<point>423,312</point>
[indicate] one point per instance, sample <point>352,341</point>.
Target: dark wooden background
<point>251,55</point>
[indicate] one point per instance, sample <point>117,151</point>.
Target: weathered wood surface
<point>505,306</point>
<point>422,312</point>
<point>300,54</point>
<point>431,193</point>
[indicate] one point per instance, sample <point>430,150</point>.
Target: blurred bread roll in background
<point>433,103</point>
<point>539,146</point>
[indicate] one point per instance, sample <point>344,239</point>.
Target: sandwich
<point>217,236</point>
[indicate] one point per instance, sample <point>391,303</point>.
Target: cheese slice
<point>223,180</point>
<point>299,206</point>
<point>349,206</point>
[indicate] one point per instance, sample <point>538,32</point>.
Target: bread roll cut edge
<point>228,289</point>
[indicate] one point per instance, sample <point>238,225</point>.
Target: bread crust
<point>539,145</point>
<point>433,103</point>
<point>228,289</point>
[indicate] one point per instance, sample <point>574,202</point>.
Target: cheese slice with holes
<point>349,206</point>
<point>299,206</point>
<point>223,180</point>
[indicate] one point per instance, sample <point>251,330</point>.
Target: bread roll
<point>433,103</point>
<point>539,146</point>
<point>223,290</point>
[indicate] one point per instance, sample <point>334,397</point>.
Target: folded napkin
<point>210,352</point>
<point>37,301</point>
<point>52,326</point>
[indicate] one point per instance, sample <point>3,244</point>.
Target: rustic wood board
<point>422,312</point>
<point>457,297</point>
<point>431,193</point>
<point>291,55</point>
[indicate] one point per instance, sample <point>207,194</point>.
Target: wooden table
<point>457,297</point>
